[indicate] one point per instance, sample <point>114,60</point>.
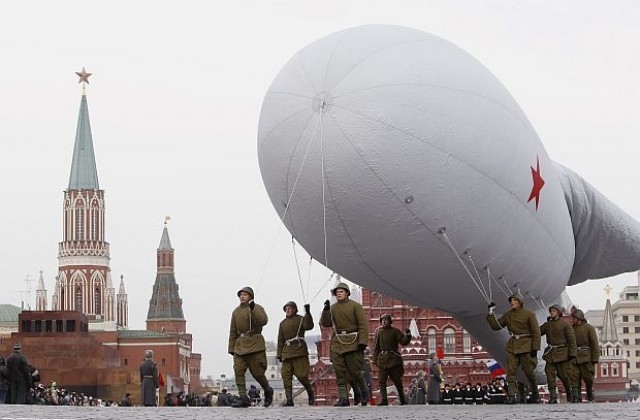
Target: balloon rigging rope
<point>286,208</point>
<point>295,256</point>
<point>498,284</point>
<point>475,269</point>
<point>324,205</point>
<point>455,252</point>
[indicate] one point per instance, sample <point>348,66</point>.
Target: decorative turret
<point>165,307</point>
<point>122,306</point>
<point>41,295</point>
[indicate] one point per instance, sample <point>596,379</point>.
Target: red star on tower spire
<point>538,183</point>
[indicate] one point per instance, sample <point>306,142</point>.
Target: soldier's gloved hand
<point>327,305</point>
<point>534,354</point>
<point>492,306</point>
<point>361,347</point>
<point>252,304</point>
<point>307,308</point>
<point>408,332</point>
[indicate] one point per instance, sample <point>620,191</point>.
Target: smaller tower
<point>41,295</point>
<point>165,307</point>
<point>123,306</point>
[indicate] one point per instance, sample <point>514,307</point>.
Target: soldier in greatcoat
<point>348,342</point>
<point>18,373</point>
<point>560,351</point>
<point>293,352</point>
<point>588,355</point>
<point>387,357</point>
<point>523,346</point>
<point>248,348</point>
<point>435,379</point>
<point>149,383</point>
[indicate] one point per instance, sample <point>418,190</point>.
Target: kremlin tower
<point>84,277</point>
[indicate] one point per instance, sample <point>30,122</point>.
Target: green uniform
<point>389,360</point>
<point>293,353</point>
<point>525,338</point>
<point>349,339</point>
<point>247,345</point>
<point>588,355</point>
<point>561,349</point>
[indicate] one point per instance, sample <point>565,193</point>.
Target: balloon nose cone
<point>321,101</point>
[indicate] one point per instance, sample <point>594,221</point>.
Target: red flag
<point>440,353</point>
<point>160,379</point>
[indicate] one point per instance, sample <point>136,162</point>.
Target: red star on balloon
<point>538,183</point>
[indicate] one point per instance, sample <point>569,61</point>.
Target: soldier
<point>149,383</point>
<point>447,394</point>
<point>435,379</point>
<point>561,349</point>
<point>292,350</point>
<point>18,373</point>
<point>387,357</point>
<point>348,342</point>
<point>248,348</point>
<point>522,348</point>
<point>588,355</point>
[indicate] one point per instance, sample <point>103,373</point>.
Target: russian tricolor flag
<point>495,369</point>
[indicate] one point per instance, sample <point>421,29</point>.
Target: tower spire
<point>609,332</point>
<point>84,175</point>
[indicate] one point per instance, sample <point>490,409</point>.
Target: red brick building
<point>464,360</point>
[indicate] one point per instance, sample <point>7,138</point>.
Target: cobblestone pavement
<point>518,412</point>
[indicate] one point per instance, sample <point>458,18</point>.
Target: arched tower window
<point>604,370</point>
<point>78,298</point>
<point>614,369</point>
<point>94,223</point>
<point>431,339</point>
<point>449,340</point>
<point>97,300</point>
<point>79,222</point>
<point>62,305</point>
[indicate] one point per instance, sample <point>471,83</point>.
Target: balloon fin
<point>607,239</point>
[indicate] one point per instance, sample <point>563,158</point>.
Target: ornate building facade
<point>433,331</point>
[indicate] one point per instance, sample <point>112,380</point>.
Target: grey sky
<point>174,104</point>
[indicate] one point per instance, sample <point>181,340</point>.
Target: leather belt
<point>519,336</point>
<point>148,376</point>
<point>556,346</point>
<point>293,340</point>
<point>584,348</point>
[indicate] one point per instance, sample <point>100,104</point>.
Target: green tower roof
<point>84,175</point>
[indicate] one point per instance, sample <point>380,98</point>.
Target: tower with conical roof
<point>41,295</point>
<point>122,306</point>
<point>165,307</point>
<point>84,277</point>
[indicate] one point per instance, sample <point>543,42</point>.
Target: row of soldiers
<point>571,353</point>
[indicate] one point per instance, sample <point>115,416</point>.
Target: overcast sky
<point>174,104</point>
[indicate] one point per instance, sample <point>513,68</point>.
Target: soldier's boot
<point>403,400</point>
<point>383,395</point>
<point>312,398</point>
<point>553,396</point>
<point>590,394</point>
<point>356,395</point>
<point>288,393</point>
<point>364,397</point>
<point>576,395</point>
<point>268,396</point>
<point>535,397</point>
<point>242,402</point>
<point>343,400</point>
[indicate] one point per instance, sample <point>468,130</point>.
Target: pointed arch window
<point>97,304</point>
<point>79,222</point>
<point>604,370</point>
<point>449,340</point>
<point>614,369</point>
<point>94,223</point>
<point>78,298</point>
<point>62,304</point>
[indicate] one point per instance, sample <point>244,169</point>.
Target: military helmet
<point>517,295</point>
<point>246,289</point>
<point>292,304</point>
<point>557,307</point>
<point>342,286</point>
<point>579,315</point>
<point>387,317</point>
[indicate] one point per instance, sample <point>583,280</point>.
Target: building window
<point>126,362</point>
<point>466,341</point>
<point>614,369</point>
<point>636,318</point>
<point>625,318</point>
<point>26,326</point>
<point>632,296</point>
<point>71,325</point>
<point>79,224</point>
<point>431,340</point>
<point>97,297</point>
<point>637,330</point>
<point>637,353</point>
<point>449,340</point>
<point>625,341</point>
<point>79,299</point>
<point>58,325</point>
<point>637,365</point>
<point>625,330</point>
<point>604,370</point>
<point>637,341</point>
